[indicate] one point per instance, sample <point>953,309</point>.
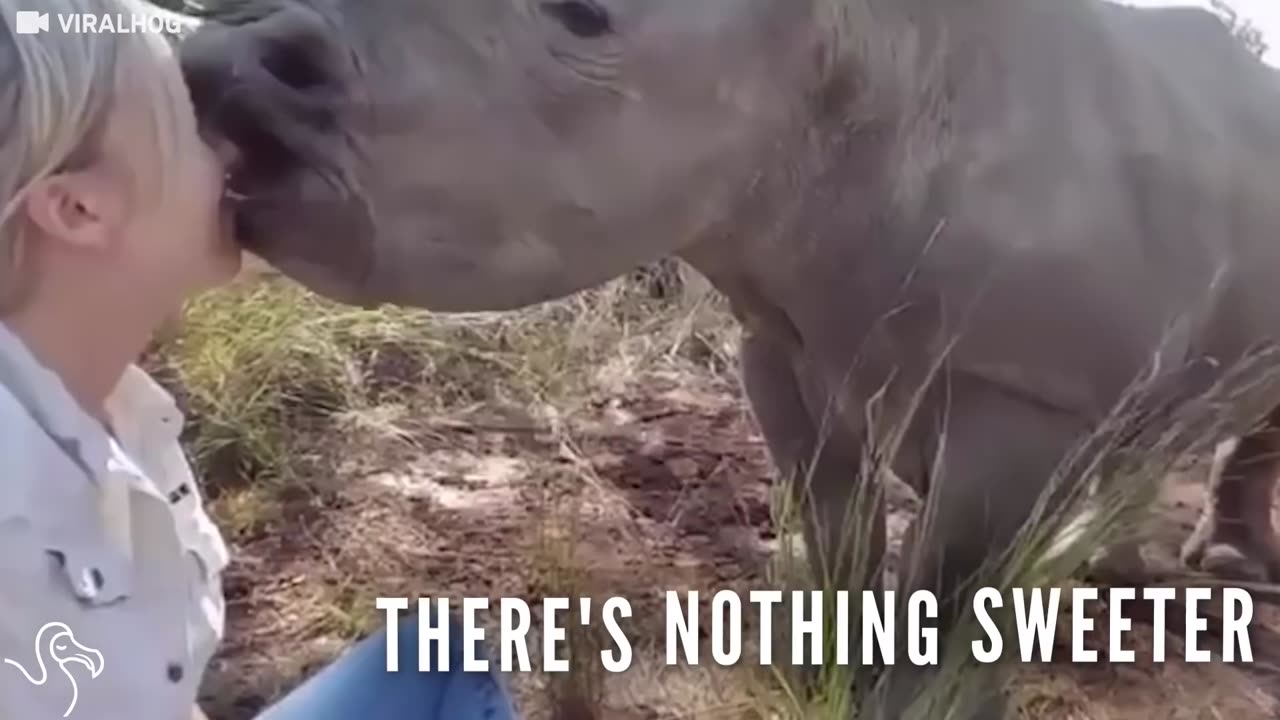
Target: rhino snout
<point>276,87</point>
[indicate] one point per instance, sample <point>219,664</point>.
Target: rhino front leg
<point>1235,537</point>
<point>823,469</point>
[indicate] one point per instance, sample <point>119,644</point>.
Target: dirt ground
<point>665,486</point>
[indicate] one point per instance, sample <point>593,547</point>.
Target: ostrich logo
<point>57,641</point>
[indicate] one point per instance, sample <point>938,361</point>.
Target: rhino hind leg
<point>1235,537</point>
<point>998,454</point>
<point>997,458</point>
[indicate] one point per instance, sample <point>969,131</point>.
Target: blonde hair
<point>57,90</point>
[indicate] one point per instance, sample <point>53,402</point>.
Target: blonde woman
<point>111,215</point>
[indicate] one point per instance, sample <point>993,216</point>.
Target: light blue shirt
<point>111,601</point>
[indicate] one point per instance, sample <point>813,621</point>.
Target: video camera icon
<point>30,22</point>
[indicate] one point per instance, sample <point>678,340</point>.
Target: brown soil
<point>664,487</point>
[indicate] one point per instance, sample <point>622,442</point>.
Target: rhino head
<point>491,154</point>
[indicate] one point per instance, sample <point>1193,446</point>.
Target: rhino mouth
<point>275,81</point>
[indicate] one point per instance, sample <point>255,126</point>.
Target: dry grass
<point>290,396</point>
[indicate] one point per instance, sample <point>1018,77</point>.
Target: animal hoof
<point>1228,562</point>
<point>1121,565</point>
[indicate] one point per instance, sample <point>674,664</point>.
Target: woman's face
<point>175,235</point>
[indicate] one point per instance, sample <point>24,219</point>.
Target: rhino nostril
<point>293,66</point>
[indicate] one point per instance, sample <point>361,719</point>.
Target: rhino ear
<point>583,18</point>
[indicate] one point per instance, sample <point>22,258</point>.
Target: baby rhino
<point>978,221</point>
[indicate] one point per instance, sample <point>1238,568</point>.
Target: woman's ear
<point>80,210</point>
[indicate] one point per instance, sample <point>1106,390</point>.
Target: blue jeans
<point>357,686</point>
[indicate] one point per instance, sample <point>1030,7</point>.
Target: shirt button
<point>175,672</point>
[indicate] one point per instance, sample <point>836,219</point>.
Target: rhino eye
<point>583,18</point>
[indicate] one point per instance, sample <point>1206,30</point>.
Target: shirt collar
<point>138,406</point>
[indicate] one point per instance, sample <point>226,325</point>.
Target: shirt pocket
<point>95,576</point>
<point>83,561</point>
<point>124,647</point>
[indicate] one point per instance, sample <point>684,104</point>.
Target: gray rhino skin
<point>1056,192</point>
